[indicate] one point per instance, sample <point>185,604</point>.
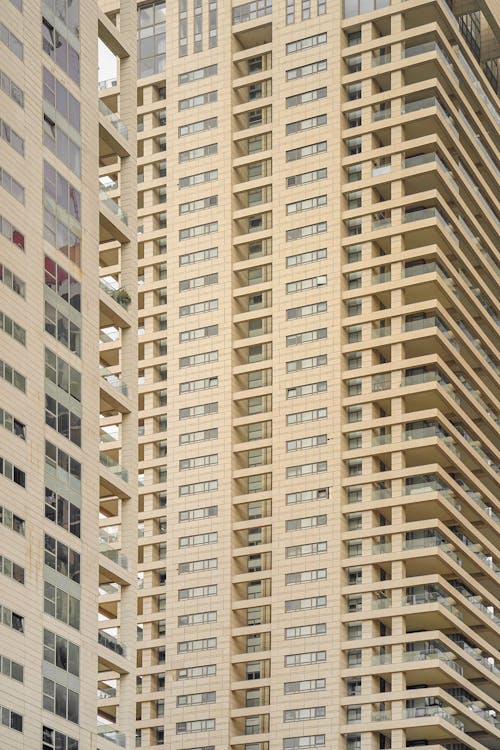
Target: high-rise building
<point>273,229</point>
<point>317,234</point>
<point>60,649</point>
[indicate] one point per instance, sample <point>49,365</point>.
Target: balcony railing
<point>115,555</point>
<point>431,597</point>
<point>113,206</point>
<point>113,380</point>
<point>109,641</point>
<point>113,118</point>
<point>113,466</point>
<point>419,712</point>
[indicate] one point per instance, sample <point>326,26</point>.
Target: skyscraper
<point>55,135</point>
<point>309,555</point>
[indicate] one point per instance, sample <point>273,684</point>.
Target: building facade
<point>294,245</point>
<point>317,234</point>
<point>60,647</point>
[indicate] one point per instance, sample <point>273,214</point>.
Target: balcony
<point>420,712</point>
<point>109,641</point>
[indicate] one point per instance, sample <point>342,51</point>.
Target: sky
<point>107,63</point>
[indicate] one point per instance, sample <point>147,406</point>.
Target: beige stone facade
<point>299,363</point>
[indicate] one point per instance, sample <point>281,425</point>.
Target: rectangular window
<point>199,230</point>
<point>311,256</point>
<point>308,522</point>
<point>11,569</point>
<point>193,673</point>
<point>311,415</point>
<point>10,719</point>
<point>295,154</point>
<point>198,618</point>
<point>61,653</point>
<point>306,741</point>
<point>198,74</point>
<point>307,177</point>
<point>56,45</point>
<point>11,521</point>
<point>62,512</point>
<point>197,462</point>
<point>11,619</point>
<point>197,566</point>
<point>305,443</point>
<point>310,657</point>
<point>198,436</point>
<point>198,410</point>
<point>304,714</point>
<point>12,186</point>
<point>201,644</point>
<point>197,725</point>
<point>11,669</point>
<point>200,126</point>
<point>306,205</point>
<point>196,699</point>
<point>61,605</point>
<point>303,550</point>
<point>306,337</point>
<point>54,740</point>
<point>198,256</point>
<point>11,234</point>
<point>198,488</point>
<point>195,540</point>
<point>198,359</point>
<point>13,329</point>
<point>307,496</point>
<point>304,686</point>
<point>9,471</point>
<point>305,97</point>
<point>307,363</point>
<point>305,311</point>
<point>202,384</point>
<point>252,10</point>
<point>62,558</point>
<point>309,123</point>
<point>198,153</point>
<point>198,514</point>
<point>309,230</point>
<point>60,700</point>
<point>11,41</point>
<point>198,179</point>
<point>12,281</point>
<point>313,602</point>
<point>309,41</point>
<point>197,101</point>
<point>306,70</point>
<point>306,576</point>
<point>151,38</point>
<point>303,285</point>
<point>200,204</point>
<point>303,470</point>
<point>11,137</point>
<point>198,333</point>
<point>13,425</point>
<point>12,90</point>
<point>195,592</point>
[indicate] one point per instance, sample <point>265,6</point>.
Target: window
<point>9,471</point>
<point>198,205</point>
<point>11,669</point>
<point>298,743</point>
<point>306,231</point>
<point>151,44</point>
<point>65,197</point>
<point>11,41</point>
<point>306,443</point>
<point>305,631</point>
<point>303,285</point>
<point>10,423</point>
<point>193,673</point>
<point>198,256</point>
<point>11,569</point>
<point>62,558</point>
<point>198,539</point>
<point>61,605</point>
<point>11,234</point>
<point>303,470</point>
<point>304,714</point>
<point>306,43</point>
<point>196,592</point>
<point>311,415</point>
<point>293,498</point>
<point>306,70</point>
<point>61,653</point>
<point>306,337</point>
<point>310,657</point>
<point>60,700</point>
<point>62,512</point>
<point>305,311</point>
<point>198,231</point>
<point>201,644</point>
<point>12,90</point>
<point>198,359</point>
<point>65,421</point>
<point>196,699</point>
<point>307,363</point>
<point>313,602</point>
<point>202,384</point>
<point>197,725</point>
<point>306,97</point>
<point>199,126</point>
<point>199,618</point>
<point>198,410</point>
<point>306,177</point>
<point>252,10</point>
<point>61,145</point>
<point>198,436</point>
<point>11,521</point>
<point>295,154</point>
<point>308,522</point>
<point>57,47</point>
<point>12,186</point>
<point>198,179</point>
<point>198,333</point>
<point>62,466</point>
<point>11,137</point>
<point>303,550</point>
<point>9,718</point>
<point>312,256</point>
<point>198,74</point>
<point>198,514</point>
<point>12,281</point>
<point>13,329</point>
<point>11,619</point>
<point>54,740</point>
<point>306,205</point>
<point>198,153</point>
<point>197,101</point>
<point>196,566</point>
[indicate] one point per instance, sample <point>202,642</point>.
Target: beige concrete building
<point>61,637</point>
<point>309,558</point>
<point>317,234</point>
